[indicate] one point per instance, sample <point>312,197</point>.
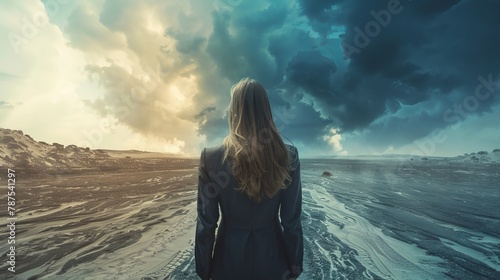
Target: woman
<point>254,178</point>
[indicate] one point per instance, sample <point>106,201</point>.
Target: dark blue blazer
<point>254,240</point>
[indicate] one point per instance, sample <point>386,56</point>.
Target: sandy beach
<point>112,225</point>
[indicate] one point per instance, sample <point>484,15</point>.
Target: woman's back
<point>251,242</point>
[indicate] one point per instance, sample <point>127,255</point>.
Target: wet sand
<point>111,225</point>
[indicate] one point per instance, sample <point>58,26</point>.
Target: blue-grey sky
<point>343,77</point>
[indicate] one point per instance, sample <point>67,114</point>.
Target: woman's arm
<point>290,214</point>
<point>208,215</point>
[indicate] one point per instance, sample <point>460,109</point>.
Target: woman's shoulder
<point>214,148</point>
<point>292,150</point>
<point>213,153</point>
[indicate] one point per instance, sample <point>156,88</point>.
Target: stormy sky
<point>343,77</point>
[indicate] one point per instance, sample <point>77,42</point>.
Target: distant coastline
<point>18,149</point>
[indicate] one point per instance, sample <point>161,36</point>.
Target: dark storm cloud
<point>244,52</point>
<point>425,58</point>
<point>302,125</point>
<point>428,54</point>
<point>260,43</point>
<point>312,70</point>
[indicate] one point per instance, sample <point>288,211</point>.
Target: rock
<point>424,158</point>
<point>13,146</point>
<point>482,153</point>
<point>58,146</point>
<point>496,150</point>
<point>23,162</point>
<point>326,174</point>
<point>71,148</point>
<point>7,139</point>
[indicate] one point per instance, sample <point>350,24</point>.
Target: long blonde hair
<point>260,159</point>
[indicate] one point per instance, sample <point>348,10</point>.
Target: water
<point>397,219</point>
<point>427,220</point>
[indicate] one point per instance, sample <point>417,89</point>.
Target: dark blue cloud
<point>415,54</point>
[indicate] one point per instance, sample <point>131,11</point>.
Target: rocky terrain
<point>97,214</point>
<point>480,157</point>
<point>40,159</point>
